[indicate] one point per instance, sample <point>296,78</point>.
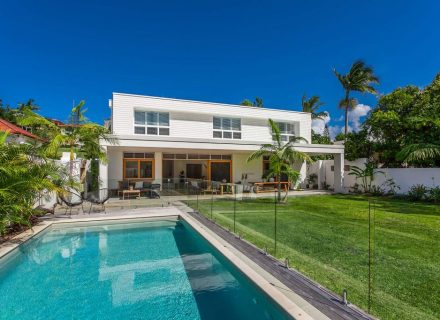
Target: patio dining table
<point>225,186</point>
<point>129,192</point>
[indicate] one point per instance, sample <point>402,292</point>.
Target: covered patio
<point>172,165</point>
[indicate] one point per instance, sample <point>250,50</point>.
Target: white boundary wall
<point>405,178</point>
<point>323,168</point>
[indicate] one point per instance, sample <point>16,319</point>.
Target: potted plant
<point>312,181</point>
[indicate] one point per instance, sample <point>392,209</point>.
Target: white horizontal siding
<point>193,119</point>
<point>184,125</point>
<point>122,115</point>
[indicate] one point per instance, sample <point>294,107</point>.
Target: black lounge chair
<point>71,199</point>
<point>154,194</point>
<point>98,197</point>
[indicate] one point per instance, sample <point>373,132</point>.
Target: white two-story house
<point>162,138</point>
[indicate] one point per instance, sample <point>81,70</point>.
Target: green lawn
<point>326,238</point>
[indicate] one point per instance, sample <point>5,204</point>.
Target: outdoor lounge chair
<point>71,199</point>
<point>123,185</point>
<point>98,197</point>
<point>154,194</point>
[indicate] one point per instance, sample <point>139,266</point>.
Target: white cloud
<point>354,120</point>
<point>333,131</point>
<point>318,125</point>
<point>355,115</point>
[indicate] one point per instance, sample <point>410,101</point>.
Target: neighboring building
<point>17,134</point>
<point>161,137</point>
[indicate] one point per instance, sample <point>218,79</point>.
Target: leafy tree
<point>12,114</point>
<point>359,78</point>
<point>340,137</point>
<point>323,138</point>
<point>258,102</point>
<point>281,156</point>
<point>311,105</point>
<point>6,112</point>
<point>358,145</point>
<point>247,103</point>
<point>405,120</point>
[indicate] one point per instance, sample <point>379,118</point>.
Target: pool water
<point>148,270</point>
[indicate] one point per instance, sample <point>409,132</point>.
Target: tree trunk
<point>347,105</point>
<point>279,187</point>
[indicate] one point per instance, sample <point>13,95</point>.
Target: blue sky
<point>221,51</point>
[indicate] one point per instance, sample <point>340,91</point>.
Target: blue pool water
<point>149,270</point>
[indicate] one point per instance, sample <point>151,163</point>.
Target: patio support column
<point>339,172</point>
<point>103,172</point>
<point>319,173</point>
<point>303,173</point>
<point>158,167</point>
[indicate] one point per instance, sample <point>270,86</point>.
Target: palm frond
<point>275,130</point>
<point>419,152</point>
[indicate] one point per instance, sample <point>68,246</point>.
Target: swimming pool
<point>142,270</point>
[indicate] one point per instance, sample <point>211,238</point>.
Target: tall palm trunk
<point>347,105</point>
<point>279,187</point>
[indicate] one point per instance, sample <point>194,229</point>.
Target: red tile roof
<point>13,129</point>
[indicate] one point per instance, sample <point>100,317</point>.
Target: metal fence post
<point>275,224</point>
<point>212,198</point>
<point>370,253</point>
<point>235,202</point>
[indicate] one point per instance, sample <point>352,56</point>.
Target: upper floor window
<point>152,123</point>
<point>287,130</point>
<point>226,128</point>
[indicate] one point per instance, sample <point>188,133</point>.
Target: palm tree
<point>419,152</point>
<point>281,156</point>
<point>258,102</point>
<point>30,104</point>
<point>79,136</point>
<point>311,105</point>
<point>359,78</point>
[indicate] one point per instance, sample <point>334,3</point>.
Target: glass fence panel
<point>222,204</point>
<point>406,277</point>
<point>255,219</point>
<point>326,239</point>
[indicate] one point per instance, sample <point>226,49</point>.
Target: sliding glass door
<point>220,171</point>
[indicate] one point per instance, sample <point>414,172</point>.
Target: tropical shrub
<point>366,175</point>
<point>418,192</point>
<point>434,194</point>
<point>377,190</point>
<point>24,177</point>
<point>313,179</point>
<point>390,187</point>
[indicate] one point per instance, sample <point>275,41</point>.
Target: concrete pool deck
<point>301,299</point>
